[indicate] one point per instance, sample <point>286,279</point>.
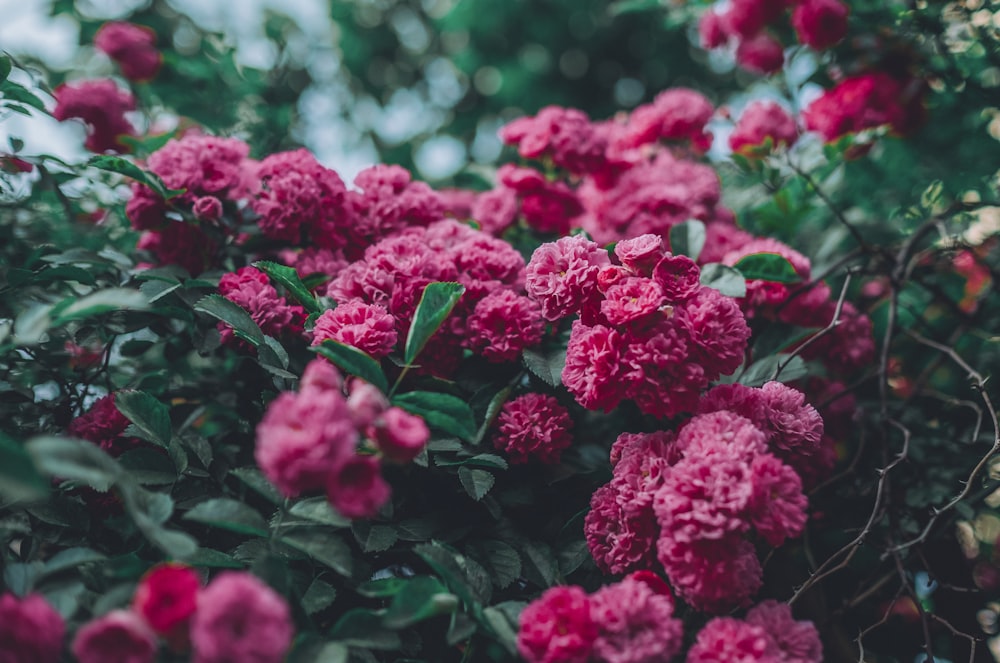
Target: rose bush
<point>633,398</point>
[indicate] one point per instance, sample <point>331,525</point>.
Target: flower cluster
<point>767,634</point>
<point>533,426</point>
<point>692,498</point>
<point>760,122</point>
<point>744,24</point>
<point>132,47</point>
<point>631,621</point>
<point>252,290</point>
<point>866,101</point>
<point>101,105</point>
<point>236,617</point>
<point>648,330</point>
<point>309,440</point>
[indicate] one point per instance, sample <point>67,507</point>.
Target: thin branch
<point>821,333</point>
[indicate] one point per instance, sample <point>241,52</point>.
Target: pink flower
<point>593,366</point>
<point>399,435</point>
<point>355,487</point>
<point>31,631</point>
<point>252,289</point>
<point>820,23</point>
<point>778,508</point>
<point>207,208</point>
<point>388,201</point>
<point>864,102</point>
<point>728,640</point>
<point>239,618</point>
<point>547,206</point>
<point>203,166</point>
<point>557,627</point>
<point>368,327</point>
<point>366,403</point>
<point>712,575</point>
<point>495,210</point>
<point>678,277</point>
<point>132,46</point>
<point>760,121</point>
<point>631,299</point>
<point>102,107</point>
<point>722,434</point>
<point>103,425</point>
<point>718,331</point>
<point>562,275</point>
<point>301,201</point>
<point>619,539</point>
<point>712,30</point>
<point>533,426</point>
<point>302,436</point>
<point>761,54</point>
<point>564,134</point>
<point>748,17</point>
<point>321,374</point>
<point>640,254</point>
<point>313,261</point>
<point>118,637</point>
<point>166,599</point>
<point>635,624</point>
<point>503,324</point>
<point>798,641</point>
<point>657,370</point>
<point>678,114</point>
<point>705,498</point>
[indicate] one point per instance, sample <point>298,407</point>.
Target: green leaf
<point>423,597</point>
<point>353,361</point>
<point>233,315</point>
<point>548,366</point>
<point>688,238</point>
<point>725,279</point>
<point>502,561</point>
<point>228,514</point>
<point>253,479</point>
<point>502,619</point>
<point>318,509</point>
<point>436,302</point>
<point>476,482</point>
<point>374,538</point>
<point>290,281</point>
<point>5,66</point>
<point>541,563</point>
<point>149,510</point>
<point>363,628</point>
<point>102,301</point>
<point>445,412</point>
<point>71,558</point>
<point>15,92</point>
<point>463,576</point>
<point>214,559</point>
<point>122,166</point>
<point>19,480</point>
<point>768,267</point>
<point>75,460</point>
<point>331,652</point>
<point>325,547</point>
<point>762,370</point>
<point>150,416</point>
<point>319,596</point>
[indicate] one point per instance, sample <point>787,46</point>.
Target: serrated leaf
<point>253,479</point>
<point>422,597</point>
<point>214,559</point>
<point>325,547</point>
<point>445,412</point>
<point>436,303</point>
<point>319,596</point>
<point>233,315</point>
<point>548,366</point>
<point>102,301</point>
<point>228,514</point>
<point>463,576</point>
<point>353,361</point>
<point>290,281</point>
<point>75,460</point>
<point>374,538</point>
<point>502,561</point>
<point>503,621</point>
<point>150,416</point>
<point>540,559</point>
<point>768,267</point>
<point>688,238</point>
<point>476,482</point>
<point>318,509</point>
<point>726,280</point>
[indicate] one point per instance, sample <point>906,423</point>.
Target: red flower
<point>557,627</point>
<point>166,598</point>
<point>356,488</point>
<point>761,54</point>
<point>132,46</point>
<point>820,23</point>
<point>102,107</point>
